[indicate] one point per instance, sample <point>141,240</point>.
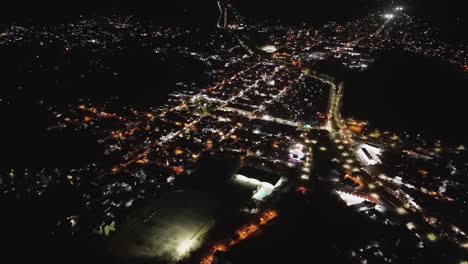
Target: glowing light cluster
<point>389,16</point>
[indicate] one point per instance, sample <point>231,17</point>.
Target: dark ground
<point>406,92</point>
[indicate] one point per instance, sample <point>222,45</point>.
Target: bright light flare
<point>389,16</point>
<point>401,211</point>
<point>184,247</point>
<point>432,237</point>
<point>410,225</point>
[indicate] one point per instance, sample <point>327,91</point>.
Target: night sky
<point>445,13</point>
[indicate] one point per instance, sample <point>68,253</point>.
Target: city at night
<point>234,132</point>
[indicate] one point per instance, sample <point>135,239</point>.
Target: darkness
<point>410,93</point>
<point>313,12</point>
<point>400,91</point>
<point>47,12</point>
<point>447,15</point>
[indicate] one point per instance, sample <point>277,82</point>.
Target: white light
<point>401,211</point>
<point>269,48</point>
<point>184,247</point>
<point>410,225</point>
<point>389,16</point>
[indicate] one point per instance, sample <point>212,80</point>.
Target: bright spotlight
<point>389,16</point>
<point>184,247</point>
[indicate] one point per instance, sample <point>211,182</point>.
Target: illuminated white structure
<point>263,190</point>
<point>350,199</point>
<point>296,154</point>
<point>269,48</point>
<point>368,155</point>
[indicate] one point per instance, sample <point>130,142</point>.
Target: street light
<point>389,16</point>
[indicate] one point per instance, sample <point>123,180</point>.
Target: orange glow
<point>302,190</point>
<point>177,169</point>
<point>355,179</point>
<point>280,54</point>
<point>243,232</point>
<point>119,135</point>
<point>296,63</point>
<point>275,144</point>
<point>87,119</point>
<point>408,152</point>
<point>82,107</point>
<point>115,168</point>
<point>209,144</point>
<point>178,152</point>
<point>150,115</point>
<point>130,131</point>
<point>423,172</point>
<point>355,128</point>
<point>104,114</point>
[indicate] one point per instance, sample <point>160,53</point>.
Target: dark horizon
<point>450,11</point>
<point>446,15</point>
